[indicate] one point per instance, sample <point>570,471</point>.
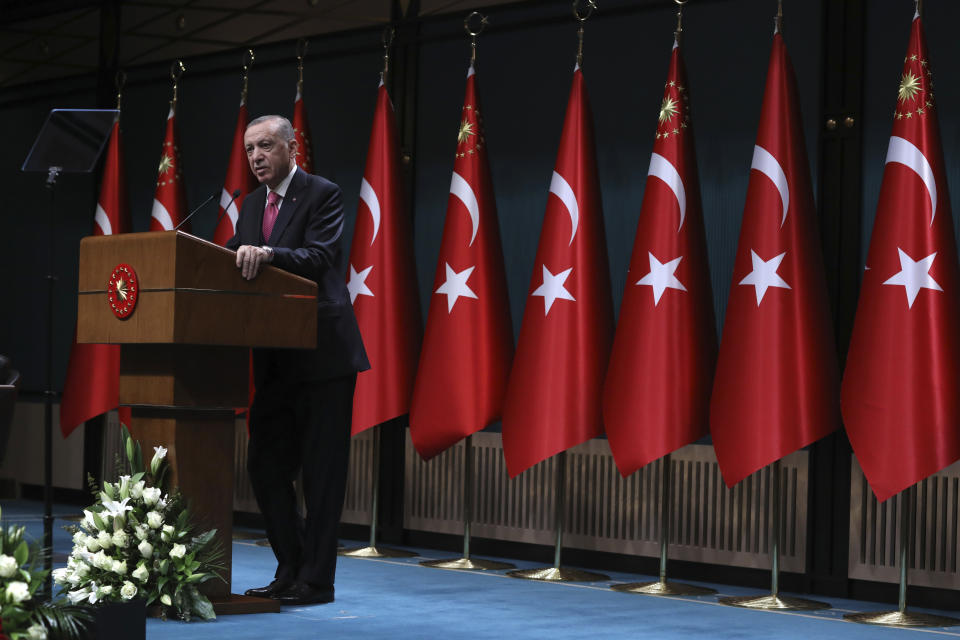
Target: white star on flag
<point>661,277</point>
<point>914,275</point>
<point>357,285</point>
<point>456,286</point>
<point>765,275</point>
<point>552,288</point>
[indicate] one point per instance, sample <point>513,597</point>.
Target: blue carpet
<point>397,598</point>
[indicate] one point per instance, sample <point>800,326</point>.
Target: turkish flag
<point>239,178</point>
<point>169,200</point>
<point>93,371</point>
<point>901,387</point>
<point>301,129</point>
<point>656,396</point>
<point>382,280</point>
<point>554,389</point>
<point>776,387</point>
<point>468,341</point>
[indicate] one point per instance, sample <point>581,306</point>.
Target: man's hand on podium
<point>251,260</point>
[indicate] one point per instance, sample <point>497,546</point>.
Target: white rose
<point>80,538</point>
<point>151,495</point>
<point>37,632</point>
<point>167,534</point>
<point>120,539</point>
<point>61,575</point>
<point>8,566</point>
<point>105,590</point>
<point>141,573</point>
<point>154,519</point>
<point>128,590</point>
<point>102,561</point>
<point>92,544</point>
<point>105,540</point>
<point>119,567</point>
<point>17,592</point>
<point>146,549</point>
<point>136,491</point>
<point>140,532</point>
<point>82,569</point>
<point>165,599</point>
<point>178,551</point>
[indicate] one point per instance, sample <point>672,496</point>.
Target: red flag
<point>239,178</point>
<point>776,387</point>
<point>901,388</point>
<point>657,392</point>
<point>383,281</point>
<point>93,371</point>
<point>301,129</point>
<point>554,389</point>
<point>169,201</point>
<point>468,342</point>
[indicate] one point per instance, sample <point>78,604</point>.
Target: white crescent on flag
<point>103,221</point>
<point>904,152</point>
<point>369,197</point>
<point>663,169</point>
<point>768,165</point>
<point>561,188</point>
<point>162,215</point>
<point>464,192</point>
<point>227,200</point>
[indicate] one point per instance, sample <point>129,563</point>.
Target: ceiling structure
<point>47,39</point>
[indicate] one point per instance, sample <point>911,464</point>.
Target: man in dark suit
<point>301,412</point>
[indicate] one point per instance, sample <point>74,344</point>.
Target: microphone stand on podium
<point>70,141</point>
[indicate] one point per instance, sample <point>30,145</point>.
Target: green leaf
<point>203,608</point>
<point>97,520</point>
<point>21,553</point>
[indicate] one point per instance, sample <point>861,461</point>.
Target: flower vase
<point>119,621</point>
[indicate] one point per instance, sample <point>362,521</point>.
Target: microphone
<point>234,196</point>
<point>190,215</point>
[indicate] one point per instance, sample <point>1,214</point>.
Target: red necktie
<point>270,214</point>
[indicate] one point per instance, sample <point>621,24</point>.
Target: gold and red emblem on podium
<point>122,290</point>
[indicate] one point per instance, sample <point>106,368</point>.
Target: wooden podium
<point>184,360</point>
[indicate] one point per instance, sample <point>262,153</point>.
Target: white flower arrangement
<point>137,541</point>
<point>22,615</point>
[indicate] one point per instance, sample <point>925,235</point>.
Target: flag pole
<point>901,617</point>
<point>558,573</point>
<point>465,562</point>
<point>372,550</point>
<point>774,600</point>
<point>664,587</point>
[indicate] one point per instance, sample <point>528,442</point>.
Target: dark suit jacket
<point>306,241</point>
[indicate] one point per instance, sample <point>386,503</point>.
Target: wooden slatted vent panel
<point>607,512</point>
<point>875,531</point>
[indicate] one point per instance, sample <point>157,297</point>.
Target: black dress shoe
<point>271,590</point>
<point>303,593</point>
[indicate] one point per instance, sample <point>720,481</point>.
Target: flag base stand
<point>558,574</point>
<point>371,550</point>
<point>901,619</point>
<point>467,564</point>
<point>774,602</point>
<point>664,588</point>
<point>375,552</point>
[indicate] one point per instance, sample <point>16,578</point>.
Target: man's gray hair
<point>283,127</point>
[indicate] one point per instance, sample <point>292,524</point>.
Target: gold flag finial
<point>248,59</point>
<point>474,32</point>
<point>591,6</point>
<point>679,31</point>
<point>302,45</point>
<point>119,80</point>
<point>387,40</point>
<point>176,70</point>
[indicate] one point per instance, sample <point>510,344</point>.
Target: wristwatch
<point>269,251</point>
